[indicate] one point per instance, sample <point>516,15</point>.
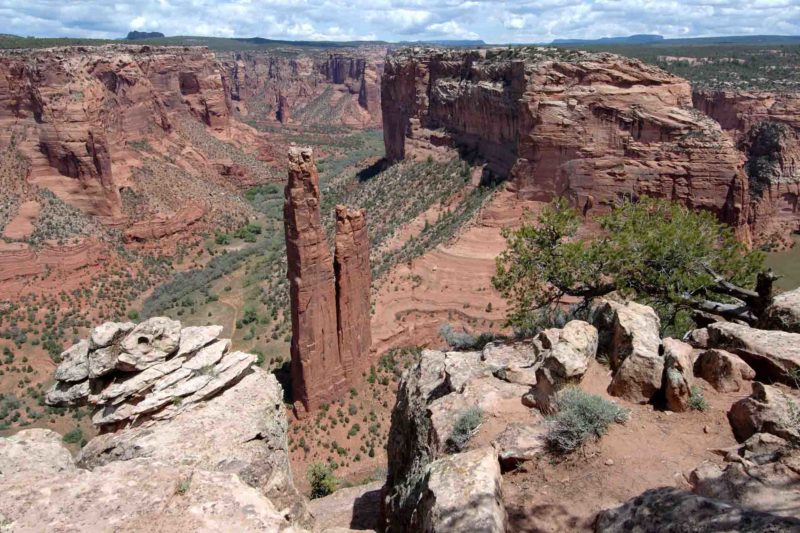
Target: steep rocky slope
<point>766,128</point>
<point>594,127</point>
<point>312,87</point>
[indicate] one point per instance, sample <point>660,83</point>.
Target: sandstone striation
<point>74,109</point>
<point>329,299</point>
<point>592,127</point>
<point>295,87</point>
<point>353,281</point>
<point>154,370</point>
<point>317,370</point>
<point>774,210</point>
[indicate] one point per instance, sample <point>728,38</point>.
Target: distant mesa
<point>136,35</point>
<point>641,38</point>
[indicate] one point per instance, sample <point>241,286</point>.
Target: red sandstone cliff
<point>774,199</point>
<point>589,126</point>
<point>72,110</point>
<point>317,371</point>
<point>353,280</point>
<point>342,88</point>
<point>329,301</point>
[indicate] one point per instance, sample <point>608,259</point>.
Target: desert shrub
<point>461,340</point>
<point>697,402</point>
<point>322,481</point>
<point>464,428</point>
<point>73,437</point>
<point>581,416</point>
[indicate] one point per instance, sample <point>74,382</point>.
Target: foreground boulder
<point>726,372</point>
<point>565,361</point>
<point>48,492</point>
<point>631,340</point>
<point>462,492</point>
<point>678,375</point>
<point>154,370</point>
<point>774,355</point>
<point>763,475</point>
<point>784,313</point>
<point>194,407</point>
<point>671,509</point>
<point>241,431</point>
<point>767,410</point>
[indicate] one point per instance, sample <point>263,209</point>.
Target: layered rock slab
<point>48,491</point>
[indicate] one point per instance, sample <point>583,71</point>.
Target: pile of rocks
<point>153,370</point>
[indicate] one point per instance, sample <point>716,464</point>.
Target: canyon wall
<point>72,111</point>
<point>772,152</point>
<point>330,312</point>
<point>313,87</point>
<point>592,127</point>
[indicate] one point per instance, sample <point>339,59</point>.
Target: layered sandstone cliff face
<point>593,127</point>
<point>773,153</point>
<point>353,280</point>
<point>330,312</point>
<point>72,111</point>
<point>342,88</point>
<point>317,372</point>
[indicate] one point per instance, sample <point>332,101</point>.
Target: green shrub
<point>464,428</point>
<point>321,479</point>
<point>73,437</point>
<point>133,314</point>
<point>697,401</point>
<point>580,417</point>
<point>460,340</point>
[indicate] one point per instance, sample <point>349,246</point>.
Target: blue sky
<point>393,20</point>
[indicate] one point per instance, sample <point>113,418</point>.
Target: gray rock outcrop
<point>152,370</point>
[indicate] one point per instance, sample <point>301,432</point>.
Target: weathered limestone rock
<point>698,338</point>
<point>565,363</point>
<point>771,486</point>
<point>149,343</point>
<point>726,372</point>
<point>772,354</point>
<point>108,333</point>
<point>515,362</point>
<point>34,453</point>
<point>353,281</point>
<point>75,363</point>
<point>519,443</point>
<point>631,340</point>
<point>432,396</point>
<point>767,410</point>
<point>784,313</point>
<point>678,375</point>
<point>180,369</point>
<point>317,371</point>
<point>462,492</point>
<point>242,431</point>
<point>671,509</point>
<point>626,329</point>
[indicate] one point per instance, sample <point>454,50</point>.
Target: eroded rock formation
<point>766,127</point>
<point>330,303</point>
<point>593,127</point>
<point>317,371</point>
<point>346,84</point>
<point>179,415</point>
<point>73,110</point>
<point>353,281</point>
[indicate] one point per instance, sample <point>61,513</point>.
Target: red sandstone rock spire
<point>317,372</point>
<point>353,280</point>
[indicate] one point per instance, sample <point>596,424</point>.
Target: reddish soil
<point>653,449</point>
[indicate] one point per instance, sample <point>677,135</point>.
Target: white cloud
<point>493,21</point>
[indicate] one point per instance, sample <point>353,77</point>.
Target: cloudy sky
<point>394,20</point>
